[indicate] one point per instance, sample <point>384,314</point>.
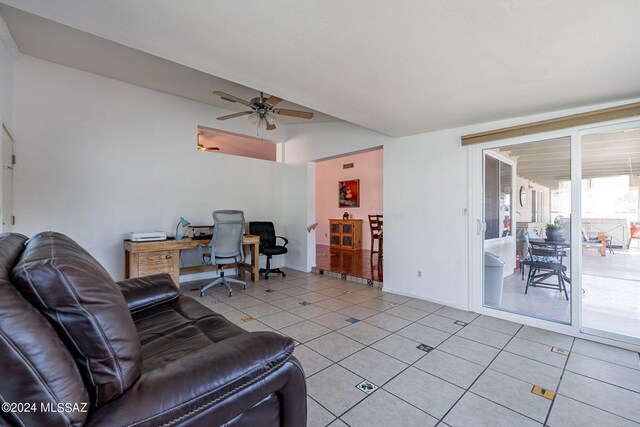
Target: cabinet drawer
<point>155,263</point>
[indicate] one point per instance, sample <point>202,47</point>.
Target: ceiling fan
<point>261,109</point>
<point>202,147</point>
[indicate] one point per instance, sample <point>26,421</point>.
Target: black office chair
<point>268,246</point>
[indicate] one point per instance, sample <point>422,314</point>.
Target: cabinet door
<point>156,262</point>
<point>347,241</point>
<point>334,227</point>
<point>335,240</point>
<point>347,228</point>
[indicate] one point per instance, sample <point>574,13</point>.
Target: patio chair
<point>539,252</point>
<point>544,264</point>
<point>599,243</point>
<point>543,268</point>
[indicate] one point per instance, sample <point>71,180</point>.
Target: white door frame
<point>5,129</point>
<point>476,228</point>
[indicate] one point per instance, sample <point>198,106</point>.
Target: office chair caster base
<point>267,272</point>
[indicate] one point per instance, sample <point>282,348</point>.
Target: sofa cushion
<point>42,371</point>
<point>178,328</point>
<point>208,361</point>
<point>86,308</point>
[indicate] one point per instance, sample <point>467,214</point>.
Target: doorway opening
<point>349,215</point>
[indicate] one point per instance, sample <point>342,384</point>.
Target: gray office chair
<point>225,247</point>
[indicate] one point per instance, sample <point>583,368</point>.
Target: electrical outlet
<point>326,235</point>
<point>419,273</point>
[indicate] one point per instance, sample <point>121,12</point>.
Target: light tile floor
<point>480,371</point>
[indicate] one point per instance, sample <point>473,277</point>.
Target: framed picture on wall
<point>349,194</point>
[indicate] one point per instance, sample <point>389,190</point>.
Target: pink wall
<point>367,167</point>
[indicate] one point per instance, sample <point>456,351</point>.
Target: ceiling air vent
<point>347,166</point>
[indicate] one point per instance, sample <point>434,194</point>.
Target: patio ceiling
<point>603,155</point>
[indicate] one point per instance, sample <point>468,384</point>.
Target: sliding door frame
<point>476,227</point>
<point>593,332</point>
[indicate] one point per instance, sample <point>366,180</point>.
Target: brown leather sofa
<point>77,348</point>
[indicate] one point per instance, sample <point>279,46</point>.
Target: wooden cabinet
<point>345,234</point>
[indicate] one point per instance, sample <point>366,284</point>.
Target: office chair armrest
<point>203,249</point>
<point>286,241</point>
<point>145,292</point>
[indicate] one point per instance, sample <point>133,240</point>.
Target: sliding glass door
<point>527,229</point>
<point>556,230</point>
<point>610,233</point>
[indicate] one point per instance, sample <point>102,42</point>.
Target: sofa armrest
<point>145,292</point>
<point>217,383</point>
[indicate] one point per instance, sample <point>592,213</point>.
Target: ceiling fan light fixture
<point>270,118</point>
<point>262,109</point>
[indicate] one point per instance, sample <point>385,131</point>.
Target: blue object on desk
<point>184,224</point>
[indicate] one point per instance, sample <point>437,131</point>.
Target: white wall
<point>99,158</point>
<point>426,192</point>
<point>367,167</point>
<point>425,189</point>
<point>524,213</point>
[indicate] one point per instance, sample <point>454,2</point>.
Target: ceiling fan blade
<point>293,113</point>
<point>234,115</point>
<point>271,127</point>
<point>273,100</point>
<point>231,98</point>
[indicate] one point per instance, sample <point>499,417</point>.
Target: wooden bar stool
<point>375,225</point>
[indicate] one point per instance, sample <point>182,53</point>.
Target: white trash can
<point>493,270</point>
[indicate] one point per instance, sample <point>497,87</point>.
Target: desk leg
<point>255,263</point>
<point>131,265</point>
<point>175,275</point>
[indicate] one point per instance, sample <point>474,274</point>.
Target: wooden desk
<point>146,258</point>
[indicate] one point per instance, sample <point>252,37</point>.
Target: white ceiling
<point>399,67</point>
<point>64,45</point>
<point>604,154</point>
